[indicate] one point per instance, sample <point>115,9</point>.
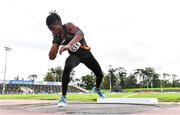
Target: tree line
<point>118,77</point>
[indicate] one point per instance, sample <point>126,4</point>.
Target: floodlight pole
<point>110,76</point>
<point>4,80</point>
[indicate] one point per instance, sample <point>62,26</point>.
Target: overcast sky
<point>122,33</point>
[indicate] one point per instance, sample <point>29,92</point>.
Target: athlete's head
<point>52,18</point>
<point>53,21</point>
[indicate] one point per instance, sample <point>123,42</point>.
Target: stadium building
<point>36,87</point>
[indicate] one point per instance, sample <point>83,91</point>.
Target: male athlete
<point>71,39</point>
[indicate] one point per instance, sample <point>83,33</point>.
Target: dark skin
<point>56,29</point>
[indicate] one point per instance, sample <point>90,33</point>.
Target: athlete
<point>68,37</point>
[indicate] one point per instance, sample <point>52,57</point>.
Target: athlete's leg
<point>71,62</point>
<point>94,66</point>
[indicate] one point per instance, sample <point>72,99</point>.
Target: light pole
<point>6,49</point>
<point>111,72</point>
<point>161,79</point>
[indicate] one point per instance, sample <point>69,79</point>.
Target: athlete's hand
<point>64,48</point>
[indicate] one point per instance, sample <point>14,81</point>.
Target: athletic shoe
<point>96,90</point>
<point>62,102</point>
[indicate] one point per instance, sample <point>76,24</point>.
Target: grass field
<point>162,97</point>
<point>151,89</point>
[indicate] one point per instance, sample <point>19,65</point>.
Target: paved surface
<point>39,107</point>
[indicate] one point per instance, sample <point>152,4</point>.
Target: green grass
<point>30,96</point>
<point>150,89</point>
<point>162,97</point>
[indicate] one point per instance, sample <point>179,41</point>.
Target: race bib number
<point>75,47</point>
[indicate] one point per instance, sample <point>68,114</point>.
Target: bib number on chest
<point>75,47</point>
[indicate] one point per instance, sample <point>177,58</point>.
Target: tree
<point>131,81</point>
<point>32,77</point>
<point>49,77</point>
<point>88,81</point>
<point>147,77</point>
<point>165,81</point>
<point>105,83</point>
<point>112,77</point>
<point>174,80</point>
<point>57,73</point>
<point>152,78</point>
<point>139,73</point>
<point>121,76</point>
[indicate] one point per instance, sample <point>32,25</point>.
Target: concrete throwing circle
<point>86,108</point>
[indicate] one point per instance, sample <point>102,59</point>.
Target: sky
<point>123,33</point>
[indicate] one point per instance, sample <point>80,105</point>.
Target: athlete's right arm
<point>53,51</point>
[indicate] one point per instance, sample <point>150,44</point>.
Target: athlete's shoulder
<point>71,27</point>
<point>69,24</point>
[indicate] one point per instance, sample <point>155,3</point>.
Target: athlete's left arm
<point>71,28</point>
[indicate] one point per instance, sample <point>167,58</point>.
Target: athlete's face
<point>55,27</point>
